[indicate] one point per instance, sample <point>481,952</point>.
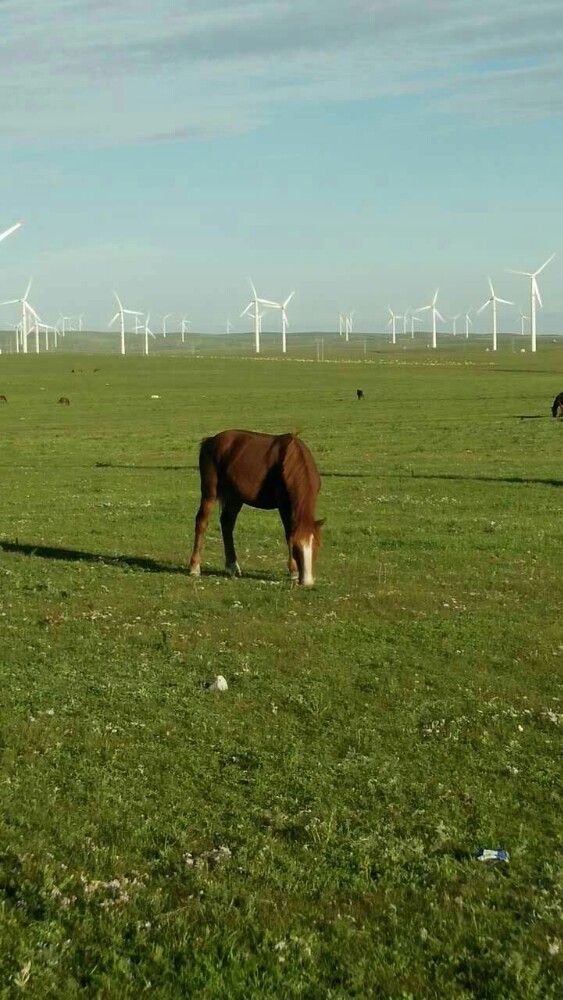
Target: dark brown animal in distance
<point>557,408</point>
<point>3,399</point>
<point>360,393</point>
<point>266,471</point>
<point>64,401</point>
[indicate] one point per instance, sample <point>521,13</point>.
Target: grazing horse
<point>64,401</point>
<point>266,471</point>
<point>3,399</point>
<point>557,408</point>
<point>360,393</point>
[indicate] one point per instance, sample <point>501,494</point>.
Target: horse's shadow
<point>143,563</point>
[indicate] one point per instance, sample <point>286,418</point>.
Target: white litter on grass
<point>155,397</point>
<point>219,684</point>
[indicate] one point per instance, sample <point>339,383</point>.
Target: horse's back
<point>259,469</point>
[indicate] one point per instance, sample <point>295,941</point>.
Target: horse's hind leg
<point>208,499</point>
<point>229,514</point>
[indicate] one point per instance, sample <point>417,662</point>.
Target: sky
<point>360,153</point>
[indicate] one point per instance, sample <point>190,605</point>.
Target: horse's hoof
<point>233,569</point>
<point>294,577</point>
<point>195,571</point>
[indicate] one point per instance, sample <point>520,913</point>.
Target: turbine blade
<point>439,315</point>
<point>537,291</point>
<point>10,302</point>
<point>540,269</point>
<point>529,274</point>
<point>506,302</point>
<point>254,292</point>
<point>118,300</point>
<point>491,287</point>
<point>484,306</point>
<point>288,300</point>
<point>8,232</point>
<point>435,299</point>
<point>112,321</point>
<point>423,309</point>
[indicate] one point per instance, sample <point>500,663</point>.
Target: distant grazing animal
<point>96,370</point>
<point>266,471</point>
<point>64,401</point>
<point>557,408</point>
<point>360,393</point>
<point>3,399</point>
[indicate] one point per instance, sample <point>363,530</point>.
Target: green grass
<point>377,729</point>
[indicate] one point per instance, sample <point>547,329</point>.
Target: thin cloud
<point>128,70</point>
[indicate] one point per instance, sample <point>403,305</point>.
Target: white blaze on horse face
<point>307,550</point>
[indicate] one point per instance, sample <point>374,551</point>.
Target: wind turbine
<point>185,324</point>
<point>8,232</point>
<point>349,326</point>
<point>164,318</point>
<point>414,319</point>
<point>341,319</point>
<point>229,325</point>
<point>492,300</point>
<point>405,320</point>
<point>522,318</point>
<point>435,314</point>
<point>148,332</point>
<point>121,314</point>
<point>27,311</point>
<point>454,321</point>
<point>283,307</point>
<point>257,313</point>
<point>392,323</point>
<point>468,323</point>
<point>534,294</point>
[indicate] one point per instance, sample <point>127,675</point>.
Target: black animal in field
<point>64,401</point>
<point>3,399</point>
<point>557,408</point>
<point>360,393</point>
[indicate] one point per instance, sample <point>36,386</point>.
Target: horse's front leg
<point>201,519</point>
<point>229,514</point>
<point>291,563</point>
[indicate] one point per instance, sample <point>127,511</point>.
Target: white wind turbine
<point>147,332</point>
<point>257,313</point>
<point>435,314</point>
<point>27,312</point>
<point>414,319</point>
<point>341,320</point>
<point>523,318</point>
<point>185,324</point>
<point>454,321</point>
<point>492,301</point>
<point>534,294</point>
<point>468,323</point>
<point>164,318</point>
<point>229,325</point>
<point>349,324</point>
<point>121,314</point>
<point>283,307</point>
<point>405,321</point>
<point>392,323</point>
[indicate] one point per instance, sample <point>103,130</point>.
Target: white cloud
<point>133,69</point>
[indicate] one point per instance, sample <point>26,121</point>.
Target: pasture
<point>312,831</point>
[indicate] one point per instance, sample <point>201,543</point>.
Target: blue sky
<point>361,153</point>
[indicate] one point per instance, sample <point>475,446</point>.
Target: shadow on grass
<point>148,468</point>
<point>133,562</point>
<point>525,480</point>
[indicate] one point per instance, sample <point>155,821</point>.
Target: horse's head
<point>305,546</point>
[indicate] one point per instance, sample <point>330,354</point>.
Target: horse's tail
<point>557,403</point>
<point>207,467</point>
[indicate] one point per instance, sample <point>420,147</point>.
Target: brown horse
<point>3,399</point>
<point>64,401</point>
<point>265,471</point>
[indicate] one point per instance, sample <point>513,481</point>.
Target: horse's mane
<point>301,479</point>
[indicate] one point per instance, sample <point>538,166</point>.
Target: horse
<point>360,393</point>
<point>64,401</point>
<point>265,471</point>
<point>557,408</point>
<point>3,399</point>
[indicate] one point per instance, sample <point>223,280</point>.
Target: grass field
<point>312,831</point>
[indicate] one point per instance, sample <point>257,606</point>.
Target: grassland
<point>311,832</point>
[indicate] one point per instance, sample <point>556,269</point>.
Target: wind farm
<point>281,405</point>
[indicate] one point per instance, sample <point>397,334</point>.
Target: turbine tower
<point>147,332</point>
<point>185,324</point>
<point>534,294</point>
<point>435,314</point>
<point>164,318</point>
<point>454,321</point>
<point>121,314</point>
<point>492,301</point>
<point>523,317</point>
